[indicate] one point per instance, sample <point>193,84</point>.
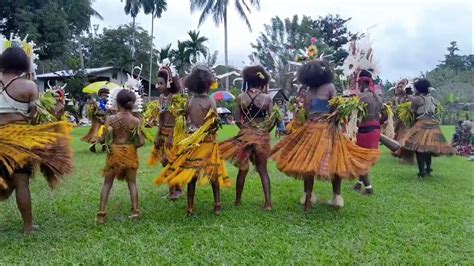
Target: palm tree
<point>181,57</point>
<point>132,8</point>
<point>155,8</point>
<point>218,9</point>
<point>165,52</point>
<point>195,45</point>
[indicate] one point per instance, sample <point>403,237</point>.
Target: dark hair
<point>364,74</point>
<point>409,90</point>
<point>102,91</point>
<point>14,60</point>
<point>126,99</point>
<point>422,86</point>
<point>200,80</point>
<point>175,84</point>
<point>315,74</point>
<point>255,76</point>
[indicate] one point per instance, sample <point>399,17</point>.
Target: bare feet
<point>237,203</point>
<point>314,198</point>
<point>190,212</point>
<point>27,229</point>
<point>135,215</point>
<point>101,218</point>
<point>217,209</point>
<point>175,195</point>
<point>337,201</point>
<point>267,207</point>
<point>357,187</point>
<point>368,192</point>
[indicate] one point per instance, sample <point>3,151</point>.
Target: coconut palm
<point>195,46</point>
<point>155,8</point>
<point>132,8</point>
<point>165,52</point>
<point>218,9</point>
<point>181,57</point>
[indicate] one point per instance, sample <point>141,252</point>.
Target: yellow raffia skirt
<point>319,150</point>
<point>293,125</point>
<point>202,161</point>
<point>426,136</point>
<point>243,148</point>
<point>160,150</point>
<point>96,131</point>
<point>25,146</point>
<point>121,159</point>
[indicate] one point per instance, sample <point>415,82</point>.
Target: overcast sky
<point>409,36</point>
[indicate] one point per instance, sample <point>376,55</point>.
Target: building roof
<point>69,73</point>
<point>274,92</point>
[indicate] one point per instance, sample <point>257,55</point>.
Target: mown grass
<point>408,220</point>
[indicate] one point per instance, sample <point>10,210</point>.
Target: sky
<point>408,36</point>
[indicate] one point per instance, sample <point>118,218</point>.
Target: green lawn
<point>408,220</point>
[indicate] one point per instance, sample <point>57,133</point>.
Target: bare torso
<point>374,106</point>
<point>124,125</point>
<point>198,107</point>
<point>166,118</point>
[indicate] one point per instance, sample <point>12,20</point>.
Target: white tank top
<point>8,105</point>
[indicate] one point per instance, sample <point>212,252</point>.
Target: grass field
<point>408,220</point>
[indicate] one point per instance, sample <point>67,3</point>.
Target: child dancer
<point>318,150</point>
<point>123,131</point>
<point>368,135</point>
<point>425,137</point>
<point>163,152</point>
<point>97,113</point>
<point>24,147</point>
<point>254,107</point>
<point>198,156</point>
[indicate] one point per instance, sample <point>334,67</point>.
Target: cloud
<point>409,36</point>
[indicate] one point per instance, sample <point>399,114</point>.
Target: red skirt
<point>369,135</point>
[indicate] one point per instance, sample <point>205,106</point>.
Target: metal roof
<point>69,73</point>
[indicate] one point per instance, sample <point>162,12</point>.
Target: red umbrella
<point>222,96</point>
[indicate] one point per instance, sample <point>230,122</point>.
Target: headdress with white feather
<point>132,84</point>
<point>361,57</point>
<point>170,69</point>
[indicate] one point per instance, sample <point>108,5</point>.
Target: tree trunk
<point>226,49</point>
<point>133,41</point>
<point>151,56</point>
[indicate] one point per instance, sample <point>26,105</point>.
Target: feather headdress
<point>29,48</point>
<point>132,84</point>
<point>170,70</point>
<point>361,57</point>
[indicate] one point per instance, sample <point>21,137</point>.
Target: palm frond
<point>243,15</point>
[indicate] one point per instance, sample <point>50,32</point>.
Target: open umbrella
<point>223,110</point>
<point>93,88</point>
<point>222,96</point>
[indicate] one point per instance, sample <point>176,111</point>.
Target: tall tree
<point>165,52</point>
<point>132,8</point>
<point>181,58</point>
<point>283,39</point>
<point>195,45</point>
<point>155,8</point>
<point>218,9</point>
<point>51,24</point>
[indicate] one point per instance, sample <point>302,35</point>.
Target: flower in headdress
<point>214,85</point>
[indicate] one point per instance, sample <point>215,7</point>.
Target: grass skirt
<point>95,132</point>
<point>160,150</point>
<point>42,146</point>
<point>293,125</point>
<point>202,161</point>
<point>122,158</point>
<point>245,147</point>
<point>319,150</point>
<point>426,136</point>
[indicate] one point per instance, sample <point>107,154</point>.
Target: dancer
<point>425,137</point>
<point>299,114</point>
<point>124,136</point>
<point>198,156</point>
<point>24,147</point>
<point>403,103</point>
<point>253,117</point>
<point>368,135</point>
<point>97,114</point>
<point>163,151</point>
<point>319,150</point>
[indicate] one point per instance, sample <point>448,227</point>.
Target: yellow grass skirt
<point>96,131</point>
<point>202,161</point>
<point>243,148</point>
<point>426,136</point>
<point>319,150</point>
<point>121,159</point>
<point>293,125</point>
<point>27,146</point>
<point>160,150</point>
